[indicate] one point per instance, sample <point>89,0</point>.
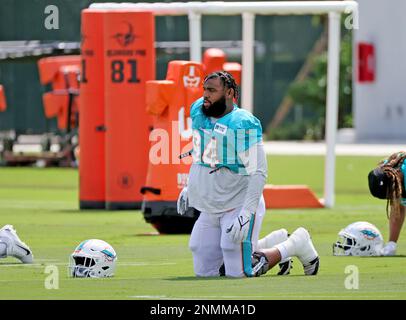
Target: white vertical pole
<point>332,106</point>
<point>195,36</point>
<point>247,82</point>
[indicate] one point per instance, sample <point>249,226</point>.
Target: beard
<point>216,109</point>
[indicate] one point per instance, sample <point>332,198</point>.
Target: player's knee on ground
<point>204,266</point>
<point>206,263</point>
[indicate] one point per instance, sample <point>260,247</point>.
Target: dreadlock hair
<point>392,169</point>
<point>227,79</point>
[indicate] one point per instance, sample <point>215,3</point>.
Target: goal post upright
<point>333,66</point>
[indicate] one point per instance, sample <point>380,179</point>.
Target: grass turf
<point>43,206</point>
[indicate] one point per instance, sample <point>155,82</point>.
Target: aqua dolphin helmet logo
<point>369,234</point>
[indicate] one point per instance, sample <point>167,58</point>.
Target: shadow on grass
<point>81,211</point>
<point>193,278</point>
<point>383,257</point>
<point>95,211</point>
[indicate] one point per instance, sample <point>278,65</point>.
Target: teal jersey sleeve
<point>403,168</point>
<point>248,130</point>
<point>196,109</point>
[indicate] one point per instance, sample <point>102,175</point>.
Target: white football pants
<point>211,245</point>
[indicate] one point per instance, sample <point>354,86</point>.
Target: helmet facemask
<point>92,259</point>
<point>343,246</point>
<point>348,246</point>
<point>81,266</point>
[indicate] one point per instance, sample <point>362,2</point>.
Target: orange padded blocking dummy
<point>49,69</point>
<point>169,102</point>
<point>3,104</point>
<point>129,61</point>
<point>91,117</point>
<point>290,196</point>
<point>63,73</point>
<point>216,59</point>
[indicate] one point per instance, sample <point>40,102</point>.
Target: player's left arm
<point>255,162</point>
<point>252,155</point>
<point>256,166</point>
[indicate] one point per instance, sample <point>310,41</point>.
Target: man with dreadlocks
<point>225,184</point>
<point>387,181</point>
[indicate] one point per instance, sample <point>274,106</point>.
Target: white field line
<point>126,264</point>
<point>51,205</point>
<point>319,148</point>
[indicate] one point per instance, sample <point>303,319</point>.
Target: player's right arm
<point>183,201</point>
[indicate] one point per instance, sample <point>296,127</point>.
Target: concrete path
<point>319,148</point>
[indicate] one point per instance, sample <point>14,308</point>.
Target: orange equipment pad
<point>3,104</point>
<point>235,69</point>
<point>290,196</point>
<point>169,103</point>
<point>158,95</point>
<point>188,75</point>
<point>62,72</point>
<point>213,60</point>
<point>92,130</point>
<point>129,62</point>
<point>49,68</point>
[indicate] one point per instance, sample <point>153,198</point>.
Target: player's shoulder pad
<point>243,119</point>
<point>196,108</point>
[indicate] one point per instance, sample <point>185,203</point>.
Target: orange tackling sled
<point>62,73</point>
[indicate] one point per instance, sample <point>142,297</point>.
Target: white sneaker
<point>15,247</point>
<point>305,251</point>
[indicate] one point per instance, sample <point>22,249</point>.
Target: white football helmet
<point>359,239</point>
<point>92,258</point>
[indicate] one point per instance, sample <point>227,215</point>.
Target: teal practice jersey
<point>403,169</point>
<point>220,142</point>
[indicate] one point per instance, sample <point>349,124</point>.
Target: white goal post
<point>248,10</point>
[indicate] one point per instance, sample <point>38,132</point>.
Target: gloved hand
<point>183,203</point>
<point>260,263</point>
<point>389,249</point>
<point>238,230</point>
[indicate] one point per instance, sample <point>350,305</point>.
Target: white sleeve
<point>255,162</point>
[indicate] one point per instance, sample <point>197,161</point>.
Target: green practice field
<point>42,204</point>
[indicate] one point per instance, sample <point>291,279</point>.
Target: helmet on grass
<point>359,239</point>
<point>94,259</point>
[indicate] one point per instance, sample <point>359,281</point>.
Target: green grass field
<point>43,206</point>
